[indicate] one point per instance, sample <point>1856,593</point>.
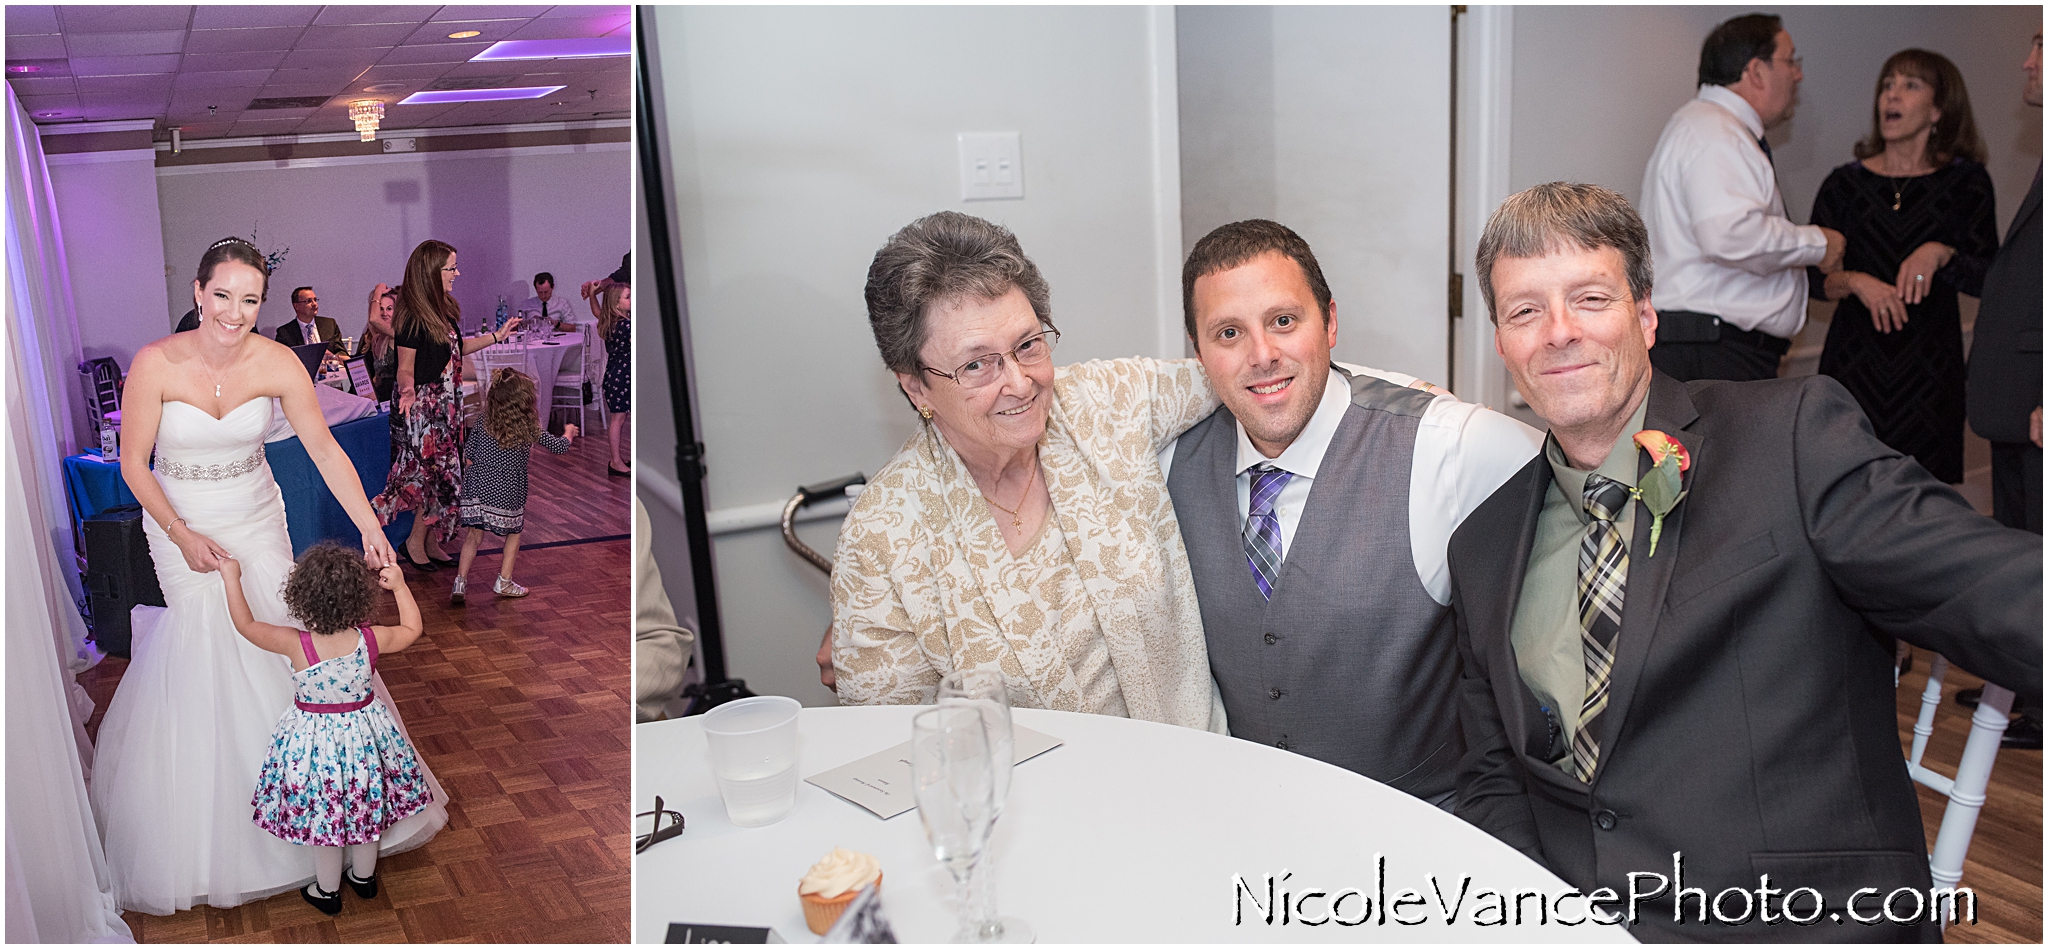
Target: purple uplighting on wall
<point>478,95</point>
<point>558,49</point>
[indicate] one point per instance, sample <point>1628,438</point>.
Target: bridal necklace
<point>214,375</point>
<point>1016,518</point>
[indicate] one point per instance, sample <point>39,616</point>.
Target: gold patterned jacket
<point>915,592</point>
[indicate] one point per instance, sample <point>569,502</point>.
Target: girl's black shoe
<point>329,903</point>
<point>367,889</point>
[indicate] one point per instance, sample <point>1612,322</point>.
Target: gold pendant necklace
<point>1016,517</point>
<point>1898,193</point>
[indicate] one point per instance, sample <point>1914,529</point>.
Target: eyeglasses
<point>988,367</point>
<point>660,833</point>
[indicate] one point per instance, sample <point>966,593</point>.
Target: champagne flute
<point>986,691</point>
<point>953,783</point>
<point>980,922</point>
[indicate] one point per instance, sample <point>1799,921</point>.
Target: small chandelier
<point>368,114</point>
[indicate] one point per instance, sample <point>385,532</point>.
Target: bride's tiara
<point>230,240</point>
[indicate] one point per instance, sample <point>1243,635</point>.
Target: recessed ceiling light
<point>24,69</point>
<point>385,87</point>
<point>465,34</point>
<point>558,49</point>
<point>479,95</point>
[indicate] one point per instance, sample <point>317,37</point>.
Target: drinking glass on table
<point>753,757</point>
<point>953,779</point>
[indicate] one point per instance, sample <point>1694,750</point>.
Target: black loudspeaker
<point>118,574</point>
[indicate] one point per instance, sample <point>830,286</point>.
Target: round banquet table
<point>547,359</point>
<point>1130,831</point>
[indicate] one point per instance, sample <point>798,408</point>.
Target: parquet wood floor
<point>569,496</point>
<point>522,707</point>
<point>2004,863</point>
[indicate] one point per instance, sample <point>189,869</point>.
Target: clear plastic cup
<point>753,756</point>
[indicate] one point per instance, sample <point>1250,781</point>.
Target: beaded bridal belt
<point>172,469</point>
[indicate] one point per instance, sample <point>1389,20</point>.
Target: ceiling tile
<point>354,59</point>
<point>231,16</point>
<point>235,41</point>
<point>30,18</point>
<point>416,72</point>
<point>122,86</point>
<point>571,9</point>
<point>223,62</point>
<point>619,64</point>
<point>126,44</point>
<point>352,15</point>
<point>123,65</point>
<point>564,28</point>
<point>36,104</point>
<point>333,78</point>
<point>489,12</point>
<point>197,130</point>
<point>121,19</point>
<point>449,52</point>
<point>49,46</point>
<point>354,37</point>
<point>230,79</point>
<point>282,91</point>
<point>50,86</point>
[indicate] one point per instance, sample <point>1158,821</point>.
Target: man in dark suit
<point>2004,381</point>
<point>1711,678</point>
<point>309,326</point>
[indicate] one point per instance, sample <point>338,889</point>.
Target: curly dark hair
<point>330,589</point>
<point>510,414</point>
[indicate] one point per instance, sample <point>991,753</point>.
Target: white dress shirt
<point>309,332</point>
<point>1718,231</point>
<point>1463,452</point>
<point>565,307</point>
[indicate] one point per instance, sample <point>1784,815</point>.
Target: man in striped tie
<point>1704,666</point>
<point>1315,505</point>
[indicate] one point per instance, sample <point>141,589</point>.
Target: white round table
<point>546,358</point>
<point>1129,832</point>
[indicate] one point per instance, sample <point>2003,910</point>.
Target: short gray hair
<point>1553,217</point>
<point>937,259</point>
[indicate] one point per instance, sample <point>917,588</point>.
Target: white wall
<point>107,205</point>
<point>1334,121</point>
<point>799,140</point>
<point>351,226</point>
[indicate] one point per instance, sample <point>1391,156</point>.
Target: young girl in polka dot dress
<point>339,772</point>
<point>494,463</point>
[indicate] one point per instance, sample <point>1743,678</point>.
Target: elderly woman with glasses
<point>1025,527</point>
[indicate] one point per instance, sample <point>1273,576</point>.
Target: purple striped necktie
<point>1262,529</point>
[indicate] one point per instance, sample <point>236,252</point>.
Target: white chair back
<point>1965,791</point>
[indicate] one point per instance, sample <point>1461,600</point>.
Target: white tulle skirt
<point>184,738</point>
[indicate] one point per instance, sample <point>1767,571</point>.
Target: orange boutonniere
<point>1662,487</point>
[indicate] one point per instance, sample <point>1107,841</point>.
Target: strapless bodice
<point>186,435</point>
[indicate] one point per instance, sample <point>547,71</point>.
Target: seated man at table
<point>1315,503</point>
<point>309,326</point>
<point>1688,650</point>
<point>544,306</point>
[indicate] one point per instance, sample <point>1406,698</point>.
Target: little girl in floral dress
<point>339,772</point>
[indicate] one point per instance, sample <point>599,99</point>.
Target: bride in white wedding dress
<point>188,727</point>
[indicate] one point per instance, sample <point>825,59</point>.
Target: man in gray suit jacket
<point>1709,678</point>
<point>1315,505</point>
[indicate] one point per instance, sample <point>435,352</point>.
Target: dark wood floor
<point>2004,863</point>
<point>522,708</point>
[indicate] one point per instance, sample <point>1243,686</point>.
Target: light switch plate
<point>991,166</point>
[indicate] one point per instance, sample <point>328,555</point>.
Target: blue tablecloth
<point>311,513</point>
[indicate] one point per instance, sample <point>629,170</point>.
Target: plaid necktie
<point>1603,577</point>
<point>1262,529</point>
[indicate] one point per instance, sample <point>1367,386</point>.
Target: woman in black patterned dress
<point>426,417</point>
<point>1918,212</point>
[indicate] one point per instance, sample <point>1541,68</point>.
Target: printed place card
<point>881,782</point>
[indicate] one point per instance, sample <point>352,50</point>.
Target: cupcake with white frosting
<point>832,883</point>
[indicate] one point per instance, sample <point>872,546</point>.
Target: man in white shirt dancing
<point>1731,269</point>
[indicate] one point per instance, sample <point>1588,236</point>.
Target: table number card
<point>881,782</point>
<point>700,934</point>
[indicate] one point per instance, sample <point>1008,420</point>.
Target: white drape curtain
<point>57,885</point>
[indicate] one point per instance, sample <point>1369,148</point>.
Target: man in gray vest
<point>1316,504</point>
